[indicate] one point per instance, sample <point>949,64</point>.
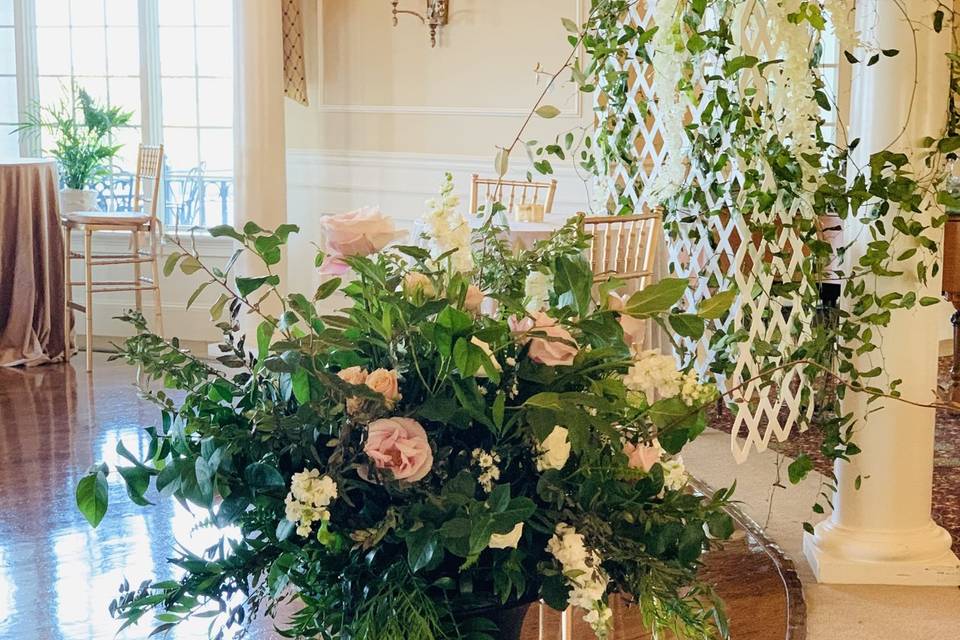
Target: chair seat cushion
<point>125,218</point>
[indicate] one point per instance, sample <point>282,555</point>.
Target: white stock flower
<point>655,375</point>
<point>554,451</point>
<point>507,540</point>
<point>583,571</point>
<point>536,290</point>
<point>310,495</point>
<point>448,229</point>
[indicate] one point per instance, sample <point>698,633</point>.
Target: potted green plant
<point>83,144</point>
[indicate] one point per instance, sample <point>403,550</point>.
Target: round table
<point>32,314</point>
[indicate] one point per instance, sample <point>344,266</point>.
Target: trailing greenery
<point>750,155</point>
<point>82,133</point>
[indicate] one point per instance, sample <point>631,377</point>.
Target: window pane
<point>53,51</point>
<point>9,142</point>
<point>180,147</point>
<point>89,51</point>
<point>6,12</point>
<point>216,102</point>
<point>53,13</point>
<point>87,12</point>
<point>177,57</point>
<point>179,102</point>
<point>129,137</point>
<point>215,13</point>
<point>8,99</point>
<point>216,150</point>
<point>8,58</point>
<point>176,12</point>
<point>122,13</point>
<point>125,93</point>
<point>215,51</point>
<point>53,90</point>
<point>123,51</point>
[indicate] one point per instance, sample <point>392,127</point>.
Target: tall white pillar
<point>259,154</point>
<point>882,533</point>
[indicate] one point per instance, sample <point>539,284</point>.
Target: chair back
<point>512,193</point>
<point>623,246</point>
<point>146,190</point>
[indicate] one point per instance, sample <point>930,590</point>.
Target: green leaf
<point>93,495</point>
<point>657,298</point>
<point>190,265</point>
<point>171,263</point>
<point>799,468</point>
<point>226,230</point>
<point>301,385</point>
<point>548,111</point>
<point>422,545</point>
<point>216,310</point>
<point>731,67</point>
<point>570,25</point>
<point>264,334</point>
<point>246,286</point>
<point>687,325</point>
<point>196,293</point>
<point>260,475</point>
<point>501,163</point>
<point>716,305</point>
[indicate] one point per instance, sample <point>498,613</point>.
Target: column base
<point>916,557</point>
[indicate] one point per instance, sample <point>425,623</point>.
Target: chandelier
<point>434,17</point>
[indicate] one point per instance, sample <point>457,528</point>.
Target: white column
<point>259,155</point>
<point>883,532</point>
<point>28,83</point>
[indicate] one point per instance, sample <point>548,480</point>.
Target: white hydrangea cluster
<point>668,60</point>
<point>487,462</point>
<point>310,495</point>
<point>449,229</point>
<point>588,582</point>
<point>656,376</point>
<point>674,473</point>
<point>536,291</point>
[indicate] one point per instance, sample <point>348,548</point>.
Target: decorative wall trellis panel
<point>720,247</point>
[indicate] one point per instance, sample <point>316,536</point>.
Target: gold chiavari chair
<point>512,193</point>
<point>141,220</point>
<point>623,247</point>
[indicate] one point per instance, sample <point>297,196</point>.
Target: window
<point>167,61</point>
<point>9,144</point>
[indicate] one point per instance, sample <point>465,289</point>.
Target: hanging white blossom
<point>448,228</point>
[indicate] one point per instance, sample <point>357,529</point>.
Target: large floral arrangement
<point>440,449</point>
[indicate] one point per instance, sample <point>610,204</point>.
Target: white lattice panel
<point>720,251</point>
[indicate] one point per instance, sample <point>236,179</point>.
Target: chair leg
<point>88,286</point>
<point>157,303</point>
<point>67,294</point>
<point>137,294</point>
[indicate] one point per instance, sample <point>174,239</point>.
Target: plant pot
<point>78,200</point>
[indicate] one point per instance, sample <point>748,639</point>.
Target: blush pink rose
<point>520,326</point>
<point>353,375</point>
<point>634,329</point>
<point>474,299</point>
<point>355,233</point>
<point>400,446</point>
<point>641,456</point>
<point>557,348</point>
<point>385,383</point>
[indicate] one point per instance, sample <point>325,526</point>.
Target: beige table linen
<point>31,264</point>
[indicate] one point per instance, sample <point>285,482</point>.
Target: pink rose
<point>355,233</point>
<point>399,445</point>
<point>634,329</point>
<point>385,383</point>
<point>353,375</point>
<point>519,327</point>
<point>474,299</point>
<point>558,348</point>
<point>642,456</point>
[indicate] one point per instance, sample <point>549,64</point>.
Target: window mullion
<point>28,81</point>
<point>151,97</point>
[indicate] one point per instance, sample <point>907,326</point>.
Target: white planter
<point>78,200</point>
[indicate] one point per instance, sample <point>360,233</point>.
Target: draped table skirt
<point>31,264</point>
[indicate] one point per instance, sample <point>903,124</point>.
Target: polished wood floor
<point>58,576</point>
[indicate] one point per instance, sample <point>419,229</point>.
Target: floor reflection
<point>58,576</point>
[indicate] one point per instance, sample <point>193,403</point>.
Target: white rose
<point>507,540</point>
<point>416,281</point>
<point>554,451</point>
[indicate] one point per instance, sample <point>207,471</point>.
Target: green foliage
<point>82,131</point>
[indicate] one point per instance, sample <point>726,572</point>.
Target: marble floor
<point>58,576</point>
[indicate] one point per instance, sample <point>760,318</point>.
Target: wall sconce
<point>434,17</point>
